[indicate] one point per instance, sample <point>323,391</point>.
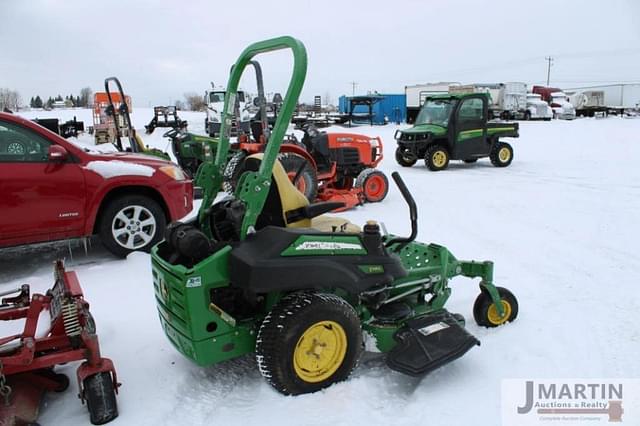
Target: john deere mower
<point>265,272</point>
<point>455,127</point>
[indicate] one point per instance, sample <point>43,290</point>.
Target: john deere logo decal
<point>327,245</point>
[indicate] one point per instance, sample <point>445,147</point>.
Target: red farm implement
<point>58,329</point>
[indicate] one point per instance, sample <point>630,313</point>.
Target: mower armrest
<point>312,210</point>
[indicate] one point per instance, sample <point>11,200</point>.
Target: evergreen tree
<point>58,98</point>
<point>38,102</point>
<point>50,102</point>
<point>32,103</point>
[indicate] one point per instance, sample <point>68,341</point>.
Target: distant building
<point>59,104</point>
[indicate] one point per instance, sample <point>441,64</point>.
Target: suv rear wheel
<point>130,223</point>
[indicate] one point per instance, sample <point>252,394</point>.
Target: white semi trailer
<point>508,100</point>
<point>617,98</point>
<point>417,93</point>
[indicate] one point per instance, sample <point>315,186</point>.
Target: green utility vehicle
<point>455,127</point>
<point>266,272</point>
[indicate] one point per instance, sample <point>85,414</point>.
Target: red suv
<point>51,189</point>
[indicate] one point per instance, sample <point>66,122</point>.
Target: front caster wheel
<point>100,394</point>
<point>486,313</point>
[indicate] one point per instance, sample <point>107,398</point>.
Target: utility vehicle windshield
<point>436,111</point>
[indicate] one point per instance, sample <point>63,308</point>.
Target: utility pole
<point>353,86</point>
<point>549,59</point>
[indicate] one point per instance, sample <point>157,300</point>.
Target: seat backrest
<point>283,197</point>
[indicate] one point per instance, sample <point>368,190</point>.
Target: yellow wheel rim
<point>494,317</point>
<point>504,154</point>
<point>439,158</point>
<point>320,351</point>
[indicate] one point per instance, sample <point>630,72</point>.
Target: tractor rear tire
<point>374,184</point>
<point>100,395</point>
<point>436,158</point>
<point>232,172</point>
<point>501,154</point>
<point>485,312</point>
<point>404,161</point>
<point>307,181</point>
<point>308,342</point>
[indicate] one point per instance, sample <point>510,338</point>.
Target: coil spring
<point>70,319</point>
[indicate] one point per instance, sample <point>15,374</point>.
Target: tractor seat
<point>287,207</point>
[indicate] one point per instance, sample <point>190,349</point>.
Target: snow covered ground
<point>561,224</point>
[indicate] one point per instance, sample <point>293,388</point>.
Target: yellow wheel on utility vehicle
<point>504,154</point>
<point>494,317</point>
<point>436,158</point>
<point>501,154</point>
<point>439,158</point>
<point>320,351</point>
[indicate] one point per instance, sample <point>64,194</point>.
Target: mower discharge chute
<point>264,271</point>
<point>27,359</point>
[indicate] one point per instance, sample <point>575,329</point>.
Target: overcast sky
<point>161,49</point>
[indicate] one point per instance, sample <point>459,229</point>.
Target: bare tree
<point>86,95</point>
<point>194,101</point>
<point>10,99</point>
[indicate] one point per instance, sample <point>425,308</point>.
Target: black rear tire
<point>100,395</point>
<point>289,328</point>
<point>403,160</point>
<point>232,172</point>
<point>501,154</point>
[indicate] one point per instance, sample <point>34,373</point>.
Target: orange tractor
<point>337,167</point>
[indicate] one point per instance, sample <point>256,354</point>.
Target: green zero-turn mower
<point>266,272</point>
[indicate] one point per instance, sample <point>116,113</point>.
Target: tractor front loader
<point>266,272</point>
